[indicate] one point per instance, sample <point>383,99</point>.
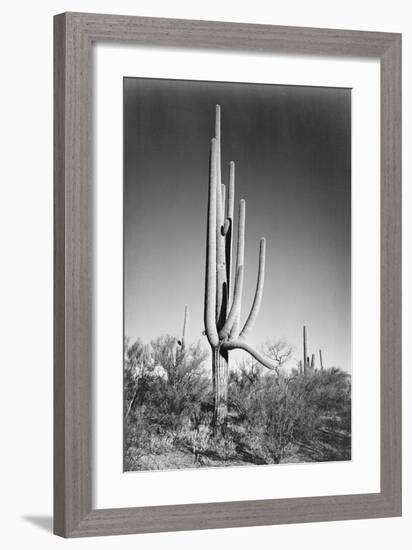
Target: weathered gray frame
<point>74,34</point>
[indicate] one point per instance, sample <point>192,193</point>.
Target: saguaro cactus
<point>182,341</point>
<point>222,297</point>
<point>305,351</point>
<point>312,362</point>
<point>321,360</point>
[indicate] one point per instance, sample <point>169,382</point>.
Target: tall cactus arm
<point>241,234</point>
<point>226,223</point>
<point>231,191</point>
<point>221,289</point>
<point>240,344</point>
<point>259,290</point>
<point>223,191</point>
<point>220,188</point>
<point>218,136</point>
<point>240,257</point>
<point>228,228</point>
<point>221,293</point>
<point>210,282</point>
<point>234,310</point>
<point>223,231</point>
<point>230,204</point>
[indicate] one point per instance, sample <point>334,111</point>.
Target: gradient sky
<point>291,145</point>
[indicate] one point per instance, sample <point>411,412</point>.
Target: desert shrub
<point>165,387</point>
<point>288,415</point>
<point>144,440</point>
<point>331,396</point>
<point>273,415</point>
<point>177,398</point>
<point>282,412</point>
<point>136,365</point>
<point>196,439</point>
<point>224,446</point>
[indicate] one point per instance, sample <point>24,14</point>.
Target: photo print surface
<point>237,274</point>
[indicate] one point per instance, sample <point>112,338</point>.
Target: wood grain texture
<point>73,278</point>
<point>73,288</point>
<point>59,278</point>
<point>233,36</point>
<point>391,274</point>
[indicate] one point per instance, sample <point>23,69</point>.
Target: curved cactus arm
<point>210,282</point>
<point>259,290</point>
<point>234,310</point>
<point>240,259</point>
<point>240,344</point>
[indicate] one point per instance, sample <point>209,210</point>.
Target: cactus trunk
<point>220,369</point>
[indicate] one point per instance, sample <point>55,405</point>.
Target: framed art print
<point>241,387</point>
<point>227,275</point>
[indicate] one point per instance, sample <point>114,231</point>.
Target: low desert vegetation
<point>274,415</point>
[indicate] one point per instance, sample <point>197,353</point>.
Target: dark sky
<point>291,145</point>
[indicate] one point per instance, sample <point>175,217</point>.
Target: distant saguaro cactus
<point>321,360</point>
<point>312,362</point>
<point>182,342</point>
<point>305,351</point>
<point>222,297</point>
<point>309,362</point>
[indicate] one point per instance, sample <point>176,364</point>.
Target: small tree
<point>279,351</point>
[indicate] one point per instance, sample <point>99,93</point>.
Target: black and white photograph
<point>205,238</point>
<point>237,274</point>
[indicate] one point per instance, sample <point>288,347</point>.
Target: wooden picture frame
<point>74,35</point>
